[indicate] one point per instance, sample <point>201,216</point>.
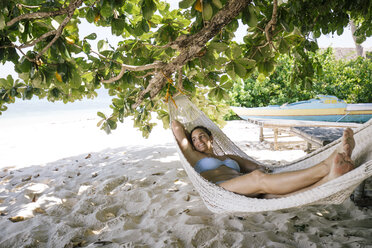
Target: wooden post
<point>308,148</point>
<point>275,139</point>
<point>261,134</point>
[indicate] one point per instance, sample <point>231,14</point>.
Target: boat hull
<point>312,110</point>
<point>357,118</point>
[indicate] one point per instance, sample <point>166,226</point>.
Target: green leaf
<point>207,11</point>
<point>218,46</point>
<point>224,78</point>
<point>269,67</point>
<point>13,55</point>
<point>10,80</point>
<point>261,77</point>
<point>283,46</point>
<point>218,93</point>
<point>2,22</point>
<point>236,52</point>
<point>100,122</point>
<point>266,51</point>
<point>228,85</point>
<point>261,67</point>
<point>138,30</point>
<point>88,77</point>
<point>232,26</point>
<point>63,49</point>
<point>340,30</point>
<point>112,124</point>
<point>102,45</point>
<point>360,39</point>
<point>106,10</point>
<point>3,83</point>
<point>86,47</point>
<point>247,63</point>
<point>252,17</point>
<point>76,79</point>
<point>145,26</point>
<point>217,3</point>
<point>24,65</point>
<point>117,26</point>
<point>148,9</point>
<point>184,4</point>
<point>230,70</point>
<point>221,61</point>
<point>102,115</point>
<point>92,36</point>
<point>239,69</point>
<point>106,127</point>
<point>90,15</point>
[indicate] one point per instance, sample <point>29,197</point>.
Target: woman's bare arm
<point>246,165</point>
<point>184,143</point>
<point>181,137</point>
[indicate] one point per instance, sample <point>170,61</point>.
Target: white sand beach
<point>65,183</point>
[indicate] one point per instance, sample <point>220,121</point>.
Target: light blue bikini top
<point>209,163</point>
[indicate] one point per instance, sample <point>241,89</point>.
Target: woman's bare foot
<point>346,147</point>
<point>341,165</point>
<point>348,142</point>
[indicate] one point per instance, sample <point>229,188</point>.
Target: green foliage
<point>350,80</point>
<point>67,67</point>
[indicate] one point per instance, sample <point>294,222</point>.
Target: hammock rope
<point>219,200</point>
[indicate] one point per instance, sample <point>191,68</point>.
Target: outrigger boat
<point>321,108</point>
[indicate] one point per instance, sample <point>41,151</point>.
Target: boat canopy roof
<point>326,98</point>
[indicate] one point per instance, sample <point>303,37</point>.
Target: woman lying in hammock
<point>245,177</point>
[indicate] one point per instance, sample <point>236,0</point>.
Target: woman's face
<point>201,141</point>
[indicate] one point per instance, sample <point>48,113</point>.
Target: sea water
<point>42,107</point>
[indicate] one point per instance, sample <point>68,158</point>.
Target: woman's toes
<point>348,142</point>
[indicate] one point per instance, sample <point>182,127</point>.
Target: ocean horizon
<point>36,107</point>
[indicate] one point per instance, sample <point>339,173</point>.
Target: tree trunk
<point>358,47</point>
<point>190,46</point>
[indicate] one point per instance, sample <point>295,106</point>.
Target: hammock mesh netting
<point>219,200</point>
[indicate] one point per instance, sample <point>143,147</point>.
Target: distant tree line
<point>350,80</point>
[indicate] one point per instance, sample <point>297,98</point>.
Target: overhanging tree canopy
<point>162,52</point>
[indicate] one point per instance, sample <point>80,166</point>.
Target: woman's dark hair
<point>206,130</point>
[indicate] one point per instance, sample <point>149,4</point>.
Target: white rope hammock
<point>219,200</point>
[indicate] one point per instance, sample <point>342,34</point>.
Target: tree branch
<point>124,68</point>
<point>189,46</point>
<point>71,9</point>
<point>20,50</point>
<point>19,5</point>
<point>50,33</point>
<point>146,75</point>
<point>57,34</point>
<point>40,15</point>
<point>272,23</point>
<point>113,79</point>
<point>179,81</point>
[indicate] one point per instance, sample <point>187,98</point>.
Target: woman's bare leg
<point>289,182</point>
<point>341,165</point>
<point>257,182</point>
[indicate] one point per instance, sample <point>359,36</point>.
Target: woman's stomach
<point>222,173</point>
